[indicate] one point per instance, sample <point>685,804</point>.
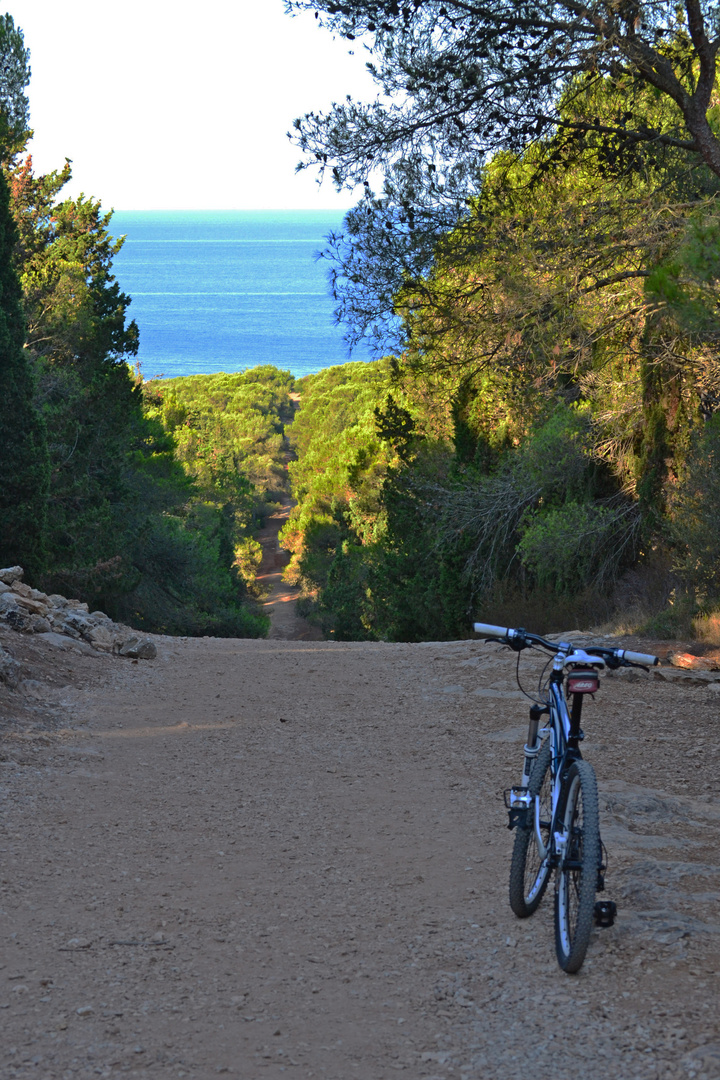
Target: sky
<point>180,106</point>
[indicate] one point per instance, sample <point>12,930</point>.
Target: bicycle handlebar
<point>524,639</point>
<point>521,639</point>
<point>637,657</point>
<point>490,631</point>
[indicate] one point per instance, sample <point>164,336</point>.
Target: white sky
<point>167,104</point>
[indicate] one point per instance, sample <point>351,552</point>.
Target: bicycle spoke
<point>529,869</point>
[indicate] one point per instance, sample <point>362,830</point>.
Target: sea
<point>228,290</point>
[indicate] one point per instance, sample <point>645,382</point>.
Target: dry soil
<point>289,857</point>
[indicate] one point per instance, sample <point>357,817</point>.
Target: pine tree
<point>24,464</point>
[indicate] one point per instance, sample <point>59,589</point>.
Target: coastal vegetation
<point>538,440</point>
<point>227,436</point>
<point>544,258</point>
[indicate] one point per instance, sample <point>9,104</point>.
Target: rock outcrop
<point>56,619</point>
<point>693,663</point>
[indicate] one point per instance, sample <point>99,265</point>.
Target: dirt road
<point>270,858</point>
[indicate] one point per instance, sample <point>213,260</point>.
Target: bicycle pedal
<point>605,912</point>
<point>518,801</point>
<point>517,798</point>
<point>517,816</point>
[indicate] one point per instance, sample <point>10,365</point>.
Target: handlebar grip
<point>639,658</point>
<point>490,631</point>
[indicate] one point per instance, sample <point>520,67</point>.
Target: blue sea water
<point>227,290</point>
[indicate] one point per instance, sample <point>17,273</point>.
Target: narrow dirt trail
<point>280,605</point>
<point>281,601</point>
<point>265,858</point>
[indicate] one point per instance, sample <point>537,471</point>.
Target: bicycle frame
<point>560,733</point>
<point>565,734</point>
<point>557,782</point>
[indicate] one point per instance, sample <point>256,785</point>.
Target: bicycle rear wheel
<point>576,880</point>
<point>529,871</point>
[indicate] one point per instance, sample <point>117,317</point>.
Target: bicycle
<point>554,809</point>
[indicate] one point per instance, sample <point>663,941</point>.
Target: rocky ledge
<point>58,620</point>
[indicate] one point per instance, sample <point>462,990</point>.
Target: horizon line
<point>229,209</point>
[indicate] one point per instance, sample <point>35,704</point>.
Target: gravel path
<point>265,858</point>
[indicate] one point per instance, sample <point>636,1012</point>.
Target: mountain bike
<point>554,809</point>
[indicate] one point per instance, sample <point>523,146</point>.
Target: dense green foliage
<point>227,433</point>
<point>228,426</point>
<point>543,261</point>
<point>24,469</point>
<point>78,342</point>
<point>397,536</point>
<point>24,472</point>
<point>459,83</point>
<point>558,371</point>
<point>462,80</point>
<point>542,447</point>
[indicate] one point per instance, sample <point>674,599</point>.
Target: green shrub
<point>183,588</point>
<point>572,546</point>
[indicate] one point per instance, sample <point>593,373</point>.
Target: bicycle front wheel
<point>577,874</point>
<point>529,868</point>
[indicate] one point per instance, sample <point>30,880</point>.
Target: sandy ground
<point>280,857</point>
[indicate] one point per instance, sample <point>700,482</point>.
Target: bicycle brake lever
<point>516,643</point>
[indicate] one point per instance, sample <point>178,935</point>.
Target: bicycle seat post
<point>533,744</point>
<point>576,734</point>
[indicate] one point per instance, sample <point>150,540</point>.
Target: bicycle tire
<point>529,874</point>
<point>576,877</point>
